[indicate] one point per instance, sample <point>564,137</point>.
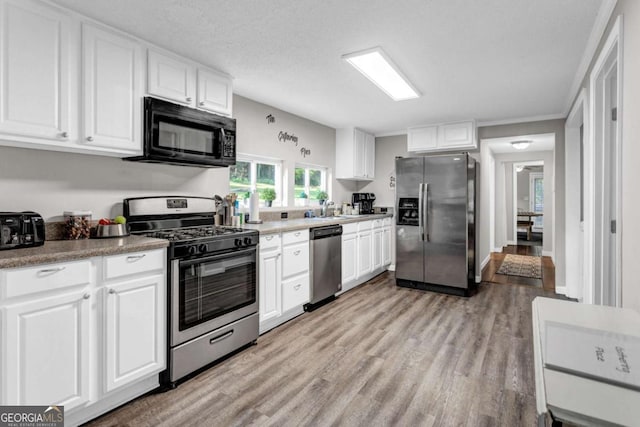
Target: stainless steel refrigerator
<point>435,223</point>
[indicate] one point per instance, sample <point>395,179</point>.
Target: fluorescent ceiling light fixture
<point>377,67</point>
<point>520,145</point>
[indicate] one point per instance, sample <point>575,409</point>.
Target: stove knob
<point>238,242</point>
<point>203,248</point>
<point>247,240</point>
<point>192,250</point>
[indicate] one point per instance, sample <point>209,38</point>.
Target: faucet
<point>325,207</point>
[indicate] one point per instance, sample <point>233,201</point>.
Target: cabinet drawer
<point>45,277</point>
<point>377,223</point>
<point>295,236</point>
<point>386,222</point>
<point>133,263</point>
<point>365,226</point>
<point>351,227</point>
<point>295,259</point>
<point>295,292</point>
<point>269,241</point>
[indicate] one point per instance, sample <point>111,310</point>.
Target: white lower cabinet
<point>284,277</point>
<point>77,338</point>
<point>386,245</point>
<point>270,276</point>
<point>365,252</point>
<point>133,330</point>
<point>349,258</point>
<point>46,343</point>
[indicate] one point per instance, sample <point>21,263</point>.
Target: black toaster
<point>21,230</point>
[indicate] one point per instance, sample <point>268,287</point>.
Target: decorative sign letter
<point>270,119</point>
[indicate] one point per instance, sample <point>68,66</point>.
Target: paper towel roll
<point>254,209</point>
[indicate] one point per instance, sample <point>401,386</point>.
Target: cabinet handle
<point>112,291</point>
<point>64,134</point>
<point>297,234</point>
<point>189,99</point>
<point>86,296</point>
<point>268,238</point>
<point>51,270</point>
<point>296,287</point>
<point>297,252</point>
<point>134,258</point>
<point>89,138</point>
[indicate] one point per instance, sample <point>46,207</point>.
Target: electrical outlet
<point>284,215</point>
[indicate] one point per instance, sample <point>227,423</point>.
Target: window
<point>309,185</point>
<point>536,197</point>
<point>261,174</point>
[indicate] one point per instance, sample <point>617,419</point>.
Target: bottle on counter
<point>77,224</point>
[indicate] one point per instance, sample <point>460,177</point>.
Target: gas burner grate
<point>181,234</point>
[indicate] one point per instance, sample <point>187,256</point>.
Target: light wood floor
<point>377,356</point>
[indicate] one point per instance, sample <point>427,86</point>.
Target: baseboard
<point>485,262</point>
<point>561,290</point>
<point>478,279</point>
<point>392,267</point>
<point>497,250</point>
<point>512,242</point>
<point>548,253</point>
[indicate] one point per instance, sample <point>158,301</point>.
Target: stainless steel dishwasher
<point>326,264</point>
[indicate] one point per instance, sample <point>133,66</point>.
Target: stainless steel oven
<point>208,293</point>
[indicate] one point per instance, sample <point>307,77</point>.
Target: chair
<point>526,225</point>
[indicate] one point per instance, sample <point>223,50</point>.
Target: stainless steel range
<point>212,280</point>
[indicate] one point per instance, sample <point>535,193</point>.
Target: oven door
<point>208,293</point>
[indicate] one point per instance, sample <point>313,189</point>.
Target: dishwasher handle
<point>325,232</point>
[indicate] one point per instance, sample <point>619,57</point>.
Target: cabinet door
<point>270,279</point>
<point>295,292</point>
<point>377,249</point>
<point>423,138</point>
<point>456,135</point>
<point>36,65</point>
<point>365,253</point>
<point>349,258</point>
<point>46,345</point>
<point>215,92</point>
<point>386,246</point>
<point>135,330</point>
<point>359,154</point>
<point>370,156</point>
<point>112,90</point>
<point>171,78</point>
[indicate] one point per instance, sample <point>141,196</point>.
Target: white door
<point>112,90</point>
<point>349,260</point>
<point>170,78</point>
<point>604,171</point>
<point>36,71</point>
<point>386,246</point>
<point>270,279</point>
<point>365,261</point>
<point>135,330</point>
<point>377,249</point>
<point>46,343</point>
<point>370,156</point>
<point>359,154</point>
<point>215,92</point>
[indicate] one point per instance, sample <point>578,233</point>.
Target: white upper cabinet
<point>37,64</point>
<point>171,78</point>
<point>442,137</point>
<point>112,90</point>
<point>215,92</point>
<point>356,155</point>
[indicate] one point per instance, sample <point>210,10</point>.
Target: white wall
<point>51,182</point>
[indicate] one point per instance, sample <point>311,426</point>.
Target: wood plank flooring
<point>548,268</point>
<point>379,355</point>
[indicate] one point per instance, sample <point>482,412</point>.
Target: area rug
<point>521,265</point>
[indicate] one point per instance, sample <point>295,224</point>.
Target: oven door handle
<point>234,254</point>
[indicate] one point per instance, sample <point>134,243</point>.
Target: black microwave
<point>180,135</point>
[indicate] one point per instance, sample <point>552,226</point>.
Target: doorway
<point>528,205</point>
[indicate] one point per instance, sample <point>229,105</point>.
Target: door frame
<point>611,55</point>
<point>515,194</point>
<point>578,270</point>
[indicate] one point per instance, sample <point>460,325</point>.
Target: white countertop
<point>302,223</point>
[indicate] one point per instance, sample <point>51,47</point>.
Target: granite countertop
<point>65,250</point>
<point>299,224</point>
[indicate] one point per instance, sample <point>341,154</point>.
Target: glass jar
<point>77,225</point>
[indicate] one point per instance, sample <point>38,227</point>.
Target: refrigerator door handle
<point>420,217</point>
<point>426,210</point>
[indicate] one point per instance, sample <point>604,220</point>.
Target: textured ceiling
<point>487,60</point>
